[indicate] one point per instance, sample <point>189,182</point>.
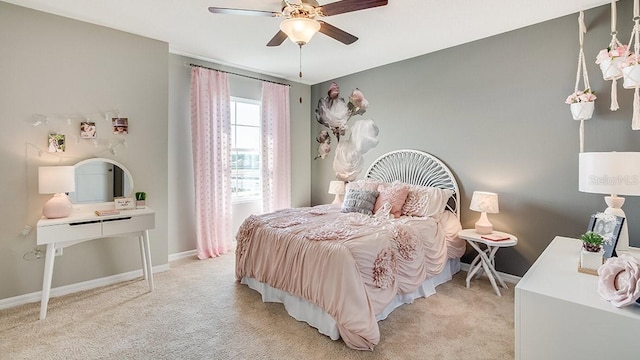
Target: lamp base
<point>339,199</point>
<point>483,225</point>
<point>58,206</point>
<point>615,208</point>
<point>484,229</point>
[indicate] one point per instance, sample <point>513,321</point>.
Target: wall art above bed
<point>333,112</point>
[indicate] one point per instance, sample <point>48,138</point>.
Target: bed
<point>342,271</point>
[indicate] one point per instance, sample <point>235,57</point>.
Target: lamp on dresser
<point>484,202</point>
<point>612,173</point>
<point>337,188</point>
<point>56,180</point>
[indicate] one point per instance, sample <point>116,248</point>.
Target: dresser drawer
<point>69,232</point>
<point>125,225</point>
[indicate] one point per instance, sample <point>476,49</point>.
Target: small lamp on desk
<point>337,188</point>
<point>57,180</point>
<point>484,202</point>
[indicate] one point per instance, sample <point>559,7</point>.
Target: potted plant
<point>591,254</point>
<point>141,198</point>
<point>582,104</point>
<point>631,71</point>
<point>609,60</point>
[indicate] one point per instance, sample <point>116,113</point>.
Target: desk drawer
<point>69,232</point>
<point>125,225</point>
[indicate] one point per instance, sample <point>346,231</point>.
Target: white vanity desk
<point>84,225</point>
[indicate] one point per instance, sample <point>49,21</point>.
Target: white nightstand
<point>485,259</point>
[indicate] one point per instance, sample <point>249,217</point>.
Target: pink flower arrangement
<point>632,59</point>
<point>581,96</point>
<point>609,54</point>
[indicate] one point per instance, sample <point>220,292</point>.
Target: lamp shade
<point>483,201</point>
<point>336,187</point>
<point>56,179</point>
<point>616,173</point>
<point>300,30</point>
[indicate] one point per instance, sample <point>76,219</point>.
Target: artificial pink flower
<point>619,280</point>
<point>334,91</point>
<point>608,55</point>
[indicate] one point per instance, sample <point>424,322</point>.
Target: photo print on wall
<point>56,143</point>
<point>88,130</point>
<point>120,125</point>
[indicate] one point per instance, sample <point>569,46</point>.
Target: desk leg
<point>147,254</point>
<point>143,257</point>
<point>46,279</point>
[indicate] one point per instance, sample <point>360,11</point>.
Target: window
<point>246,182</point>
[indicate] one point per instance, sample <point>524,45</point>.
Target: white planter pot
<point>631,77</point>
<point>582,110</point>
<point>611,69</point>
<point>591,260</point>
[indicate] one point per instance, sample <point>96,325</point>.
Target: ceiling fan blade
<point>227,11</point>
<point>277,39</point>
<point>340,35</point>
<point>345,6</point>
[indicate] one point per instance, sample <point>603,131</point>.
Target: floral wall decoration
<point>334,113</point>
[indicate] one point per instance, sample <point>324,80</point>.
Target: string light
<point>39,119</point>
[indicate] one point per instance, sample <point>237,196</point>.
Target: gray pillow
<point>361,201</point>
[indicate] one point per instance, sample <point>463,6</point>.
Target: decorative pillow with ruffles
<point>361,201</point>
<point>394,194</point>
<point>425,201</point>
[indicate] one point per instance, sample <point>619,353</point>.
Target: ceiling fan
<point>300,22</point>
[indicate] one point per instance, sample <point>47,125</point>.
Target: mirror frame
<point>124,169</point>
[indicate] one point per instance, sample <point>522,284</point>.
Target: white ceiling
<point>400,30</point>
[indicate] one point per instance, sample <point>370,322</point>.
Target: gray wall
<point>493,110</point>
<point>181,188</point>
<point>57,66</point>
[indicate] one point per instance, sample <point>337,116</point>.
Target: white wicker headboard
<point>417,168</point>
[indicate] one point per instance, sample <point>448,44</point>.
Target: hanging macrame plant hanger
<point>631,67</point>
<point>582,110</point>
<point>609,59</point>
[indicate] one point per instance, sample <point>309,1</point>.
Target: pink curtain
<point>276,147</point>
<point>211,143</point>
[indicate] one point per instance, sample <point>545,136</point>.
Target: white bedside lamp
<point>484,202</point>
<point>614,173</point>
<point>56,180</point>
<point>337,188</point>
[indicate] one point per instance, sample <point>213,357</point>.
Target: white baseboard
<point>512,279</point>
<point>182,255</point>
<point>81,286</point>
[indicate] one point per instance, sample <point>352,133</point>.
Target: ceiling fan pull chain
<point>300,62</point>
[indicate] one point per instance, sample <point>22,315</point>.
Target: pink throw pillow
<point>394,194</point>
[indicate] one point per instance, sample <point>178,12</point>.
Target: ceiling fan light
<point>300,30</point>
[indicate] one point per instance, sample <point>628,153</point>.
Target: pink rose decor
<point>619,280</point>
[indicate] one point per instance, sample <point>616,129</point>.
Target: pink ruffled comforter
<point>348,264</point>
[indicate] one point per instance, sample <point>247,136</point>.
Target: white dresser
<point>85,225</point>
<point>560,316</point>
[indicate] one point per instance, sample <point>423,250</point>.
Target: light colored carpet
<point>198,311</point>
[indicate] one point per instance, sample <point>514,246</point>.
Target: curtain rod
<point>232,73</point>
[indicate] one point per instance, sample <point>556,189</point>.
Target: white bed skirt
<point>303,310</point>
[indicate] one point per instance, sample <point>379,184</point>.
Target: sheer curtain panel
<point>211,146</point>
<point>276,147</point>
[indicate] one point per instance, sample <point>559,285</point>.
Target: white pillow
<point>425,201</point>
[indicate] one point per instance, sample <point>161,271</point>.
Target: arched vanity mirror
<point>100,180</point>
